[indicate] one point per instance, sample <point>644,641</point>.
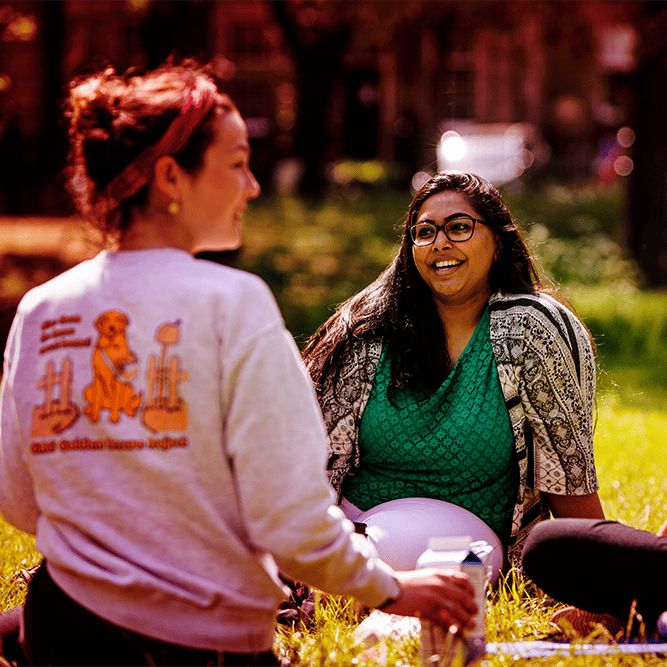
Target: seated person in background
<point>601,567</point>
<point>456,376</point>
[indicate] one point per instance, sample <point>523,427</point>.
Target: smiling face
<point>214,199</point>
<point>456,273</point>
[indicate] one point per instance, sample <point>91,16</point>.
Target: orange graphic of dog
<point>110,389</point>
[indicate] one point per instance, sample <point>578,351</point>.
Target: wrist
<point>393,597</point>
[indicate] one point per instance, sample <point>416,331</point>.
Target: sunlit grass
<point>17,552</point>
<point>329,640</point>
<point>630,454</point>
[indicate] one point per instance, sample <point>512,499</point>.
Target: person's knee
<point>550,543</point>
<point>558,545</point>
<point>536,551</point>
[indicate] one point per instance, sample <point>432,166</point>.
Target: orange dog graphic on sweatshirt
<point>111,389</point>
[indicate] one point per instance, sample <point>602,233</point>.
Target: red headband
<point>138,173</point>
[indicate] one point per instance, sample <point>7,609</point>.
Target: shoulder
<point>360,355</point>
<point>356,367</point>
<point>219,279</point>
<point>173,273</point>
<point>215,296</point>
<point>363,353</point>
<point>71,283</point>
<point>529,304</point>
<point>537,310</point>
<point>241,302</point>
<point>540,326</point>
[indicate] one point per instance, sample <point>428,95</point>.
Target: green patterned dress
<point>454,444</point>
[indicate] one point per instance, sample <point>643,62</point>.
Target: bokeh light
<point>419,179</point>
<point>625,137</point>
<point>623,165</point>
<point>453,146</point>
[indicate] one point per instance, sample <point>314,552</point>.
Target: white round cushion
<point>400,530</point>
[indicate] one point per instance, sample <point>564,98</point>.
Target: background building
<point>369,84</point>
<point>322,81</point>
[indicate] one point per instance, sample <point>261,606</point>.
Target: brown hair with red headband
<point>120,126</point>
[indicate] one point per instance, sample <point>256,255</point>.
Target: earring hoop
<point>174,207</point>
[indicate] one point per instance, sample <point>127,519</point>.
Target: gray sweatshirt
<point>160,437</point>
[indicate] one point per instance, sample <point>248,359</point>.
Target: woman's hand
<point>444,597</point>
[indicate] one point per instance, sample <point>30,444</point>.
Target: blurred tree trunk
<point>176,28</point>
<point>318,40</point>
<point>54,139</point>
<point>32,149</point>
<point>646,228</point>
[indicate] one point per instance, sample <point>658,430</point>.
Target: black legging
<point>599,566</point>
<point>58,631</point>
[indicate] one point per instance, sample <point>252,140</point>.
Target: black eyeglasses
<point>457,229</point>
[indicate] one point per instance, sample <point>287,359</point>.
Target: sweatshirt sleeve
<point>17,498</point>
<point>276,443</point>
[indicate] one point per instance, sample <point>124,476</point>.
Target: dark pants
<point>599,566</point>
<point>58,631</point>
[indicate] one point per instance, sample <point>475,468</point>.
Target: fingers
<point>455,607</point>
<point>456,595</point>
<point>443,597</point>
<point>449,621</point>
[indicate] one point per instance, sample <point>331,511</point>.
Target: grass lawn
<point>630,458</point>
<point>630,454</point>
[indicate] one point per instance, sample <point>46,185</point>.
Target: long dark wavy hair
<point>399,307</point>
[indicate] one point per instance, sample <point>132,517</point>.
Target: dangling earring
<point>174,207</point>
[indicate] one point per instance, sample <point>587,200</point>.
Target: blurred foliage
<point>367,173</point>
<point>314,256</point>
<point>19,273</point>
<point>575,234</point>
<point>630,329</point>
<point>569,212</point>
<point>627,323</point>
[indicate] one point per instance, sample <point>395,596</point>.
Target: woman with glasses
<point>456,376</point>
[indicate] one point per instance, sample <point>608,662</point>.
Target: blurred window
<point>456,86</point>
<point>456,94</point>
<point>249,38</point>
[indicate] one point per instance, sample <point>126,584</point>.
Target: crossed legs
<point>599,566</point>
